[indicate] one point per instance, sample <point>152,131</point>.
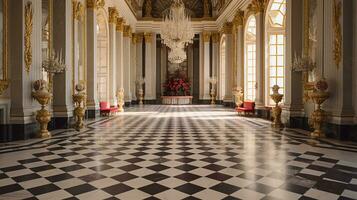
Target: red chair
<point>106,110</point>
<point>248,107</point>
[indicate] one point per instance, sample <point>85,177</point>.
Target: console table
<point>176,100</point>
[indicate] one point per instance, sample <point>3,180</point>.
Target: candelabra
<point>79,100</point>
<point>52,65</point>
<point>213,81</point>
<point>319,96</point>
<point>120,96</point>
<point>277,109</point>
<point>43,116</point>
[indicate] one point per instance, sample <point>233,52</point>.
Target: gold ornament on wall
<point>94,4</point>
<point>238,18</point>
<point>215,37</point>
<point>227,28</point>
<point>78,10</point>
<point>148,37</point>
<point>28,35</point>
<point>4,82</point>
<point>337,50</point>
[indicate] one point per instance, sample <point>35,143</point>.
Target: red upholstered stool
<point>248,107</point>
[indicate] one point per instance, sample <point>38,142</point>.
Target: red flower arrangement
<point>177,87</point>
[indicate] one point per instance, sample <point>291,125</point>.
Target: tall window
<point>250,60</point>
<point>275,27</point>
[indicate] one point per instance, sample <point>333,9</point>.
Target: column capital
<point>206,36</point>
<point>238,19</point>
<point>120,24</point>
<point>227,28</point>
<point>94,4</point>
<point>139,37</point>
<point>127,31</point>
<point>113,15</point>
<point>258,6</point>
<point>215,37</point>
<point>148,37</point>
<point>78,10</point>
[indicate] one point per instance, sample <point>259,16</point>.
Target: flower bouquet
<point>177,87</point>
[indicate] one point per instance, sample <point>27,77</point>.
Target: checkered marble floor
<point>179,152</point>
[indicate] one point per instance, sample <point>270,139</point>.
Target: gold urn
<point>79,100</point>
<point>121,101</point>
<point>319,96</point>
<point>276,111</point>
<point>43,97</point>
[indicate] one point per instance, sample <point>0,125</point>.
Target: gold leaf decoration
<point>258,6</point>
<point>78,10</point>
<point>28,35</point>
<point>337,50</point>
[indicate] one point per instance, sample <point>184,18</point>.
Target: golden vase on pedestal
<point>319,96</point>
<point>121,102</point>
<point>213,96</point>
<point>277,109</point>
<point>213,82</point>
<point>43,116</point>
<point>79,100</point>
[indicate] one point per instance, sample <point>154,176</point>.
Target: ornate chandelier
<point>54,64</point>
<point>176,31</point>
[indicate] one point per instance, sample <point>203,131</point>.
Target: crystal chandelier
<point>176,31</point>
<point>54,64</point>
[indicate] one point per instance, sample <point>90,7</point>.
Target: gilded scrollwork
<point>113,15</point>
<point>258,6</point>
<point>94,4</point>
<point>28,35</point>
<point>78,10</point>
<point>337,50</point>
<point>4,82</point>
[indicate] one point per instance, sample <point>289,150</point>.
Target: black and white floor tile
<point>179,152</point>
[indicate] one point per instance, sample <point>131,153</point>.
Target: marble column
<point>260,69</point>
<point>227,31</point>
<point>133,67</point>
<point>205,70</point>
<point>239,18</point>
<point>113,15</point>
<point>92,98</point>
<point>127,64</point>
<point>120,55</point>
<point>23,106</point>
<point>63,82</point>
<point>139,56</point>
<point>293,103</point>
<point>150,66</point>
<point>163,50</point>
<point>215,54</point>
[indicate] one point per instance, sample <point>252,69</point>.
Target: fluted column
<point>139,55</point>
<point>215,54</point>
<point>239,48</point>
<point>127,63</point>
<point>133,67</point>
<point>205,70</point>
<point>23,106</point>
<point>113,15</point>
<point>227,31</point>
<point>150,66</point>
<point>120,53</point>
<point>63,82</point>
<point>92,99</point>
<point>260,52</point>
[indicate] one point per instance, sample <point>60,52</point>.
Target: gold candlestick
<point>79,100</point>
<point>43,116</point>
<point>277,109</point>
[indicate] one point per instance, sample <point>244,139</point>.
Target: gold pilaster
<point>28,35</point>
<point>78,10</point>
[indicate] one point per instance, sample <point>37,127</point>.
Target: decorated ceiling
<point>161,7</point>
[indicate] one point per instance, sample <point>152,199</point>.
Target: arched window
<point>250,59</point>
<point>275,47</point>
<point>102,58</point>
<point>222,71</point>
